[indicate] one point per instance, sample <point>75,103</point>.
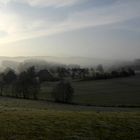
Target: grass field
<point>121,91</point>
<point>30,122</point>
<point>48,125</point>
<point>45,120</point>
<point>113,92</point>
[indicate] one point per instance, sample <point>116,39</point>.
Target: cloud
<point>19,26</point>
<point>56,3</point>
<point>43,3</point>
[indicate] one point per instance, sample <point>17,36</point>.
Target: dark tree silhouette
<point>1,83</point>
<point>63,92</point>
<point>62,72</point>
<point>9,76</point>
<point>23,85</point>
<point>28,84</point>
<point>131,71</point>
<point>100,68</point>
<point>115,74</point>
<point>44,75</point>
<point>33,82</point>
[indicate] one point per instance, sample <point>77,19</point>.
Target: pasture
<point>111,92</point>
<point>38,120</point>
<point>22,119</point>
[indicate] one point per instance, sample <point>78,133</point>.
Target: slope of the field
<point>37,120</point>
<point>111,92</point>
<point>43,120</point>
<point>50,125</point>
<point>121,91</point>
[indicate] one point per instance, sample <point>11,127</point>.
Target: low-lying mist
<point>42,62</point>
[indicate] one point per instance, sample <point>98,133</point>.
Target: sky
<point>108,29</point>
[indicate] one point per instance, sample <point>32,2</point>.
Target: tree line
<point>27,84</point>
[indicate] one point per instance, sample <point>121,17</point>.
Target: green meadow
<point>22,119</point>
<point>44,124</point>
<point>112,92</point>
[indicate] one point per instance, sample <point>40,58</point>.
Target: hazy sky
<point>89,28</point>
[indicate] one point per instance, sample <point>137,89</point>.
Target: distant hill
<point>84,61</point>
